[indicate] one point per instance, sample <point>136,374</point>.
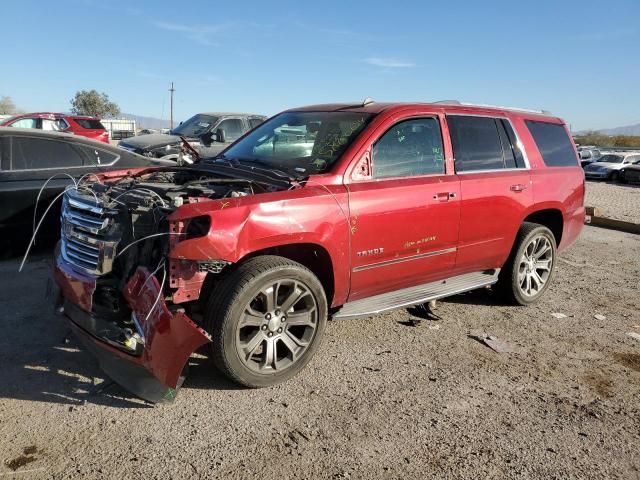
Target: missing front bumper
<point>154,369</point>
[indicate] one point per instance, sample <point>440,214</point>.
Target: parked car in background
<point>28,158</point>
<point>59,122</point>
<point>631,173</point>
<point>208,134</point>
<point>609,165</point>
<point>329,210</point>
<point>588,155</point>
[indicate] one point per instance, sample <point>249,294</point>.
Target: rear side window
<point>29,153</point>
<point>409,148</point>
<point>478,143</point>
<point>553,143</point>
<point>89,124</point>
<point>56,125</point>
<point>97,156</point>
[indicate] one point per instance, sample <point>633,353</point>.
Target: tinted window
<point>96,156</point>
<point>35,153</point>
<point>89,123</point>
<point>476,143</point>
<point>513,144</point>
<point>254,122</point>
<point>232,128</point>
<point>409,148</point>
<point>553,143</point>
<point>25,123</point>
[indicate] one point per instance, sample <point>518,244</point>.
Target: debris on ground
<point>558,315</point>
<point>599,316</point>
<point>493,342</point>
<point>634,335</point>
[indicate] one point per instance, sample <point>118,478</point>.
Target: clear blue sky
<point>579,59</point>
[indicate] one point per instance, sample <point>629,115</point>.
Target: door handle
<point>444,196</point>
<point>518,187</point>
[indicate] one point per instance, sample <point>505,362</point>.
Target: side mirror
<point>206,139</point>
<point>220,136</point>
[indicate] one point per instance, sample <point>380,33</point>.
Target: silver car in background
<point>609,165</point>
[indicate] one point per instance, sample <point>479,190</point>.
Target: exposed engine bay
<point>111,228</point>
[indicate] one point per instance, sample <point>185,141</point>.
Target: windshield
<point>301,142</point>
<point>610,159</point>
<point>195,126</point>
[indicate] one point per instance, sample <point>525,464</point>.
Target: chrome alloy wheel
<point>277,326</point>
<point>535,266</point>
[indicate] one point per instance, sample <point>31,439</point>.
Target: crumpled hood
<point>150,142</point>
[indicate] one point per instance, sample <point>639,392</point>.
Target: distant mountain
<point>628,130</point>
<point>147,122</point>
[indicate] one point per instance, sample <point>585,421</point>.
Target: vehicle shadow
<point>41,359</point>
<point>481,296</point>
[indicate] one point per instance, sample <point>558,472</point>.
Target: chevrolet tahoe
<point>328,211</point>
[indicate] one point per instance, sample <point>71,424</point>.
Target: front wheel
<point>614,176</point>
<point>266,317</point>
<point>529,269</point>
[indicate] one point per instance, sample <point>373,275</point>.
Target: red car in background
<point>59,122</point>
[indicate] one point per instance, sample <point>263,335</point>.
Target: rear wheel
<point>614,176</point>
<point>529,269</point>
<point>266,318</point>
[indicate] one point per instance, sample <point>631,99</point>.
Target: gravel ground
<point>382,399</point>
<point>617,201</point>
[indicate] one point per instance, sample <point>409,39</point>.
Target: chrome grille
<point>86,242</point>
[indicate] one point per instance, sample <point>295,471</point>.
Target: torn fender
<point>169,338</point>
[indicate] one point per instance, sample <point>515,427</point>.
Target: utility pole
<point>171,90</point>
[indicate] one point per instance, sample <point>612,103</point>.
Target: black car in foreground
<point>31,158</point>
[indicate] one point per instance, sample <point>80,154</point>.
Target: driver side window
<point>408,149</point>
<point>232,129</point>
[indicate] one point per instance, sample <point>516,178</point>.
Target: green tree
<point>93,104</point>
<point>7,107</point>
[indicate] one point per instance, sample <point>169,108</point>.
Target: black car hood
<point>150,142</point>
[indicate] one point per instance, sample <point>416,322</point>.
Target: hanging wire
<point>35,209</point>
<point>31,242</point>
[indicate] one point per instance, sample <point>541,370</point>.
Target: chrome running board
<point>419,294</point>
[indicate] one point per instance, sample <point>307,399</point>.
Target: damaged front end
<point>128,300</point>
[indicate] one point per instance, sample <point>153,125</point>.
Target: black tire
<point>614,176</point>
<point>510,281</point>
<point>236,294</point>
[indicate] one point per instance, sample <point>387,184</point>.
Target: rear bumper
<point>149,363</point>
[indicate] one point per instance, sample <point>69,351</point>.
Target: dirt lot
<point>382,399</point>
<point>615,200</point>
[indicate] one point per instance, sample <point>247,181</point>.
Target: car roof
<point>34,132</point>
<point>231,114</point>
<point>372,107</point>
<point>52,115</point>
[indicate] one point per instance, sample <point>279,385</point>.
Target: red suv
<point>328,211</point>
<point>59,122</point>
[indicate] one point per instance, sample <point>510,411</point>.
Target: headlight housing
<point>198,227</point>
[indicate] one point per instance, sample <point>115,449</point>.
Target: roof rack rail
<point>468,104</point>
